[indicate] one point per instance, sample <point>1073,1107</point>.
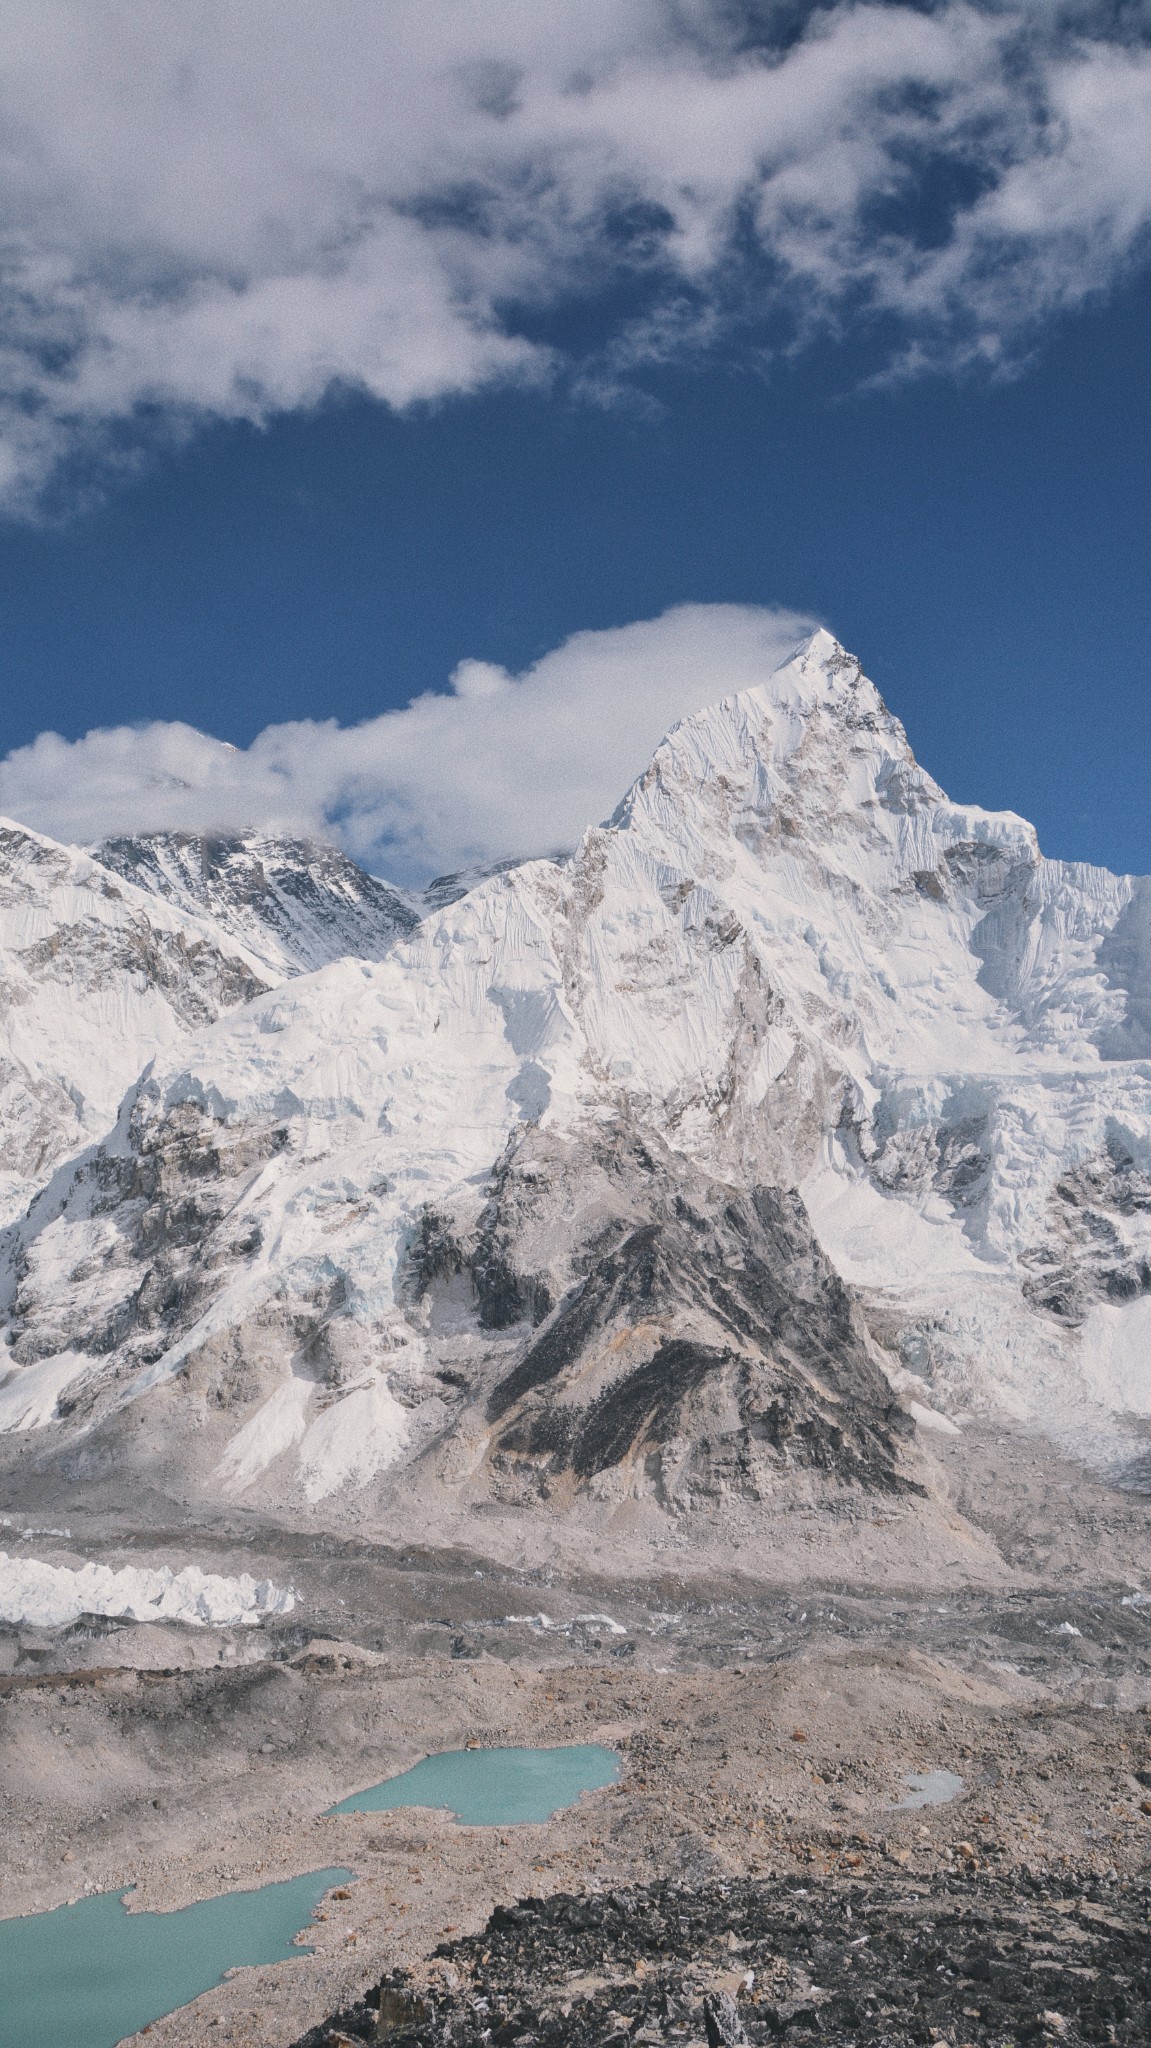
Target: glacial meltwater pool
<point>494,1787</point>
<point>84,1976</point>
<point>929,1788</point>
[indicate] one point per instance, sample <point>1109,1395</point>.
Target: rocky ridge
<point>112,958</point>
<point>98,979</point>
<point>964,1958</point>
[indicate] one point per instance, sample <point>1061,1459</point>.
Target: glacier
<point>52,1596</point>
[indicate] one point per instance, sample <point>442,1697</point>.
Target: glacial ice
<point>52,1595</point>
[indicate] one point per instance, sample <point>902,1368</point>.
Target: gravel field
<point>768,1728</point>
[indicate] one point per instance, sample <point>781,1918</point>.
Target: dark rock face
<point>448,889</point>
<point>885,1964</point>
<point>794,1377</point>
<point>700,1337</point>
<point>660,1332</point>
<point>196,979</point>
<point>953,1159</point>
<point>312,900</point>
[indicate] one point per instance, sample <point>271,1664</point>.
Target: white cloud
<point>504,765</point>
<point>213,210</point>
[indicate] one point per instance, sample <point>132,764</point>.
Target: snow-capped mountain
<point>98,978</point>
<point>109,962</point>
<point>292,904</point>
<point>447,889</point>
<point>802,1105</point>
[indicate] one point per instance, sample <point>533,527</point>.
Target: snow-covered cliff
<point>108,961</point>
<point>800,1101</point>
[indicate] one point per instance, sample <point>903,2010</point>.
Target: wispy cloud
<point>212,211</point>
<point>502,765</point>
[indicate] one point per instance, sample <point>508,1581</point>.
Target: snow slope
<point>96,978</point>
<point>788,960</point>
<point>108,962</point>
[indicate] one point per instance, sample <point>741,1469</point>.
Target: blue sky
<point>909,402</point>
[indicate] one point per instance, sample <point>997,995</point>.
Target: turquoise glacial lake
<point>84,1976</point>
<point>494,1787</point>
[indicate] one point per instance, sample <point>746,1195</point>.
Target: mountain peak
<point>395,1188</point>
<point>295,904</point>
<point>824,652</point>
<point>812,750</point>
<point>825,675</point>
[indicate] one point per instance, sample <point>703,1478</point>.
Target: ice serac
<point>293,904</point>
<point>675,1179</point>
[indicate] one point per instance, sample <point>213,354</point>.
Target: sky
<point>479,350</point>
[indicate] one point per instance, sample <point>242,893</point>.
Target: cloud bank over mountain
<point>219,213</point>
<point>502,765</point>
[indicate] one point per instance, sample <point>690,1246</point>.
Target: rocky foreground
<point>768,1738</point>
<point>968,1958</point>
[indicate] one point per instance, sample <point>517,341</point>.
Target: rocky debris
<point>962,1959</point>
<point>24,1681</point>
<point>1043,1727</point>
<point>722,2021</point>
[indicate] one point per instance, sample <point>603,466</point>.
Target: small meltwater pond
<point>929,1788</point>
<point>494,1787</point>
<point>85,1976</point>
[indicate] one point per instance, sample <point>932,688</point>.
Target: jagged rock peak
<point>295,903</point>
